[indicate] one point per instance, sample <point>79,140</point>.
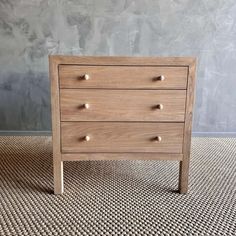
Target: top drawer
<point>136,77</point>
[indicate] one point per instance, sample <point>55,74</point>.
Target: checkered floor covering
<point>116,197</point>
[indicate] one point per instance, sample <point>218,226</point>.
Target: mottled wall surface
<point>30,30</point>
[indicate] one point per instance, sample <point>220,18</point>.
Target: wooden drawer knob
<point>86,77</point>
<point>86,138</point>
<point>86,106</point>
<point>158,139</point>
<point>160,106</point>
<point>162,77</point>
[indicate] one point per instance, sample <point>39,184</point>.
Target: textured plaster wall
<point>30,30</point>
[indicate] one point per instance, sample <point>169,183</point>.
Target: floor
<point>116,197</point>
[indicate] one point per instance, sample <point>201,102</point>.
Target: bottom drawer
<point>121,137</point>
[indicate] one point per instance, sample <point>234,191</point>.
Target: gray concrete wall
<point>30,30</point>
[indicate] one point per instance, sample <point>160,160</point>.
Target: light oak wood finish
<point>122,156</point>
<point>56,132</point>
<point>122,105</point>
<point>123,61</point>
<point>101,110</point>
<point>146,77</point>
<point>121,137</point>
<point>184,164</point>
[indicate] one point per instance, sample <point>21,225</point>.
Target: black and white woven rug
<point>116,197</point>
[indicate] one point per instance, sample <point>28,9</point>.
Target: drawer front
<point>143,77</point>
<point>121,137</point>
<point>122,105</point>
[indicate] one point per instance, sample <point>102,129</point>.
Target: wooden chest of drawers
<point>121,108</point>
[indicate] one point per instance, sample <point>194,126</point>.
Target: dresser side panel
<point>56,134</point>
<point>184,165</point>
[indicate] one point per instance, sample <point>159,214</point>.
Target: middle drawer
<point>122,105</point>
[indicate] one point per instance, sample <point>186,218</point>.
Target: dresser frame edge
<point>185,163</point>
<point>56,132</point>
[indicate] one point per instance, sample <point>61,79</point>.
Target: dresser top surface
<point>115,60</point>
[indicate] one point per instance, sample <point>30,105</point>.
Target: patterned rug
<point>116,197</point>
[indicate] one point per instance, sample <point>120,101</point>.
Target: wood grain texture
<point>121,156</point>
<point>143,135</point>
<point>121,137</point>
<point>123,77</point>
<point>122,105</point>
<point>55,108</point>
<point>114,60</point>
<point>184,165</point>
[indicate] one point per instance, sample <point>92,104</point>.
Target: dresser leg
<point>58,177</point>
<point>183,176</point>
